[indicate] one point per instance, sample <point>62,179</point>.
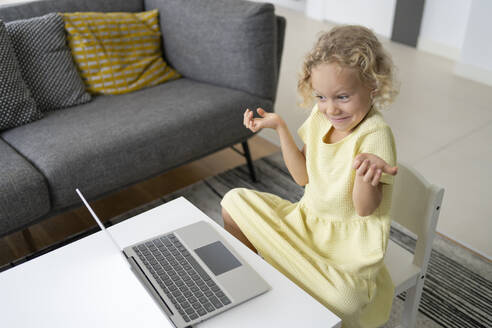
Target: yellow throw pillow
<point>117,52</point>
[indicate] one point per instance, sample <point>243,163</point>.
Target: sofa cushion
<point>118,52</point>
<point>228,43</point>
<point>28,9</point>
<point>115,141</point>
<point>17,107</point>
<point>27,198</point>
<point>46,62</point>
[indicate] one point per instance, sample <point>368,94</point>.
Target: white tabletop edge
<point>272,308</point>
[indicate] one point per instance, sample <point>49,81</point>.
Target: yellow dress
<point>320,242</point>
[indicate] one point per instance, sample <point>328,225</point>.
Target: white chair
<point>415,206</point>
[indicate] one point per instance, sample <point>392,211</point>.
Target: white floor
<point>442,125</point>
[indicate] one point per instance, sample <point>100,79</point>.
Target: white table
<point>88,284</point>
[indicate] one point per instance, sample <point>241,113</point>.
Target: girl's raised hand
<point>267,120</point>
<point>371,167</point>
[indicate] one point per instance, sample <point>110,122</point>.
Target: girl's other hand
<point>371,167</point>
<point>267,120</point>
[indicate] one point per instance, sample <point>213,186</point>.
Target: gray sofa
<point>228,53</point>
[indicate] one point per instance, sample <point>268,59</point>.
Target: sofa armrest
<point>281,25</point>
<point>228,43</point>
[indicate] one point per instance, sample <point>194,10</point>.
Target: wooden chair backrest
<point>416,206</point>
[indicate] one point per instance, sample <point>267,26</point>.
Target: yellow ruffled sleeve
<point>305,127</point>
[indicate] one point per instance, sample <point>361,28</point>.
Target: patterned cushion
<point>16,104</point>
<point>46,62</point>
<point>118,52</point>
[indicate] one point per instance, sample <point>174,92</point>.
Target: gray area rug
<point>457,291</point>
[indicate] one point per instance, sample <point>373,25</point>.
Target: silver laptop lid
<point>99,221</point>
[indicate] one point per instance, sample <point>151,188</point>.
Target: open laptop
<point>192,272</point>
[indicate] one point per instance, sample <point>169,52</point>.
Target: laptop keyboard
<point>188,286</point>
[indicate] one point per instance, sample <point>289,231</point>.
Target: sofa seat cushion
<point>26,196</point>
<point>115,141</point>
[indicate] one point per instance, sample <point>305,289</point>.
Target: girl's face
<point>341,95</point>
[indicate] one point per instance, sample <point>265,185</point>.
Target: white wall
<point>298,5</point>
<point>456,29</point>
<point>376,15</point>
<point>443,27</point>
<point>476,53</point>
<point>477,46</point>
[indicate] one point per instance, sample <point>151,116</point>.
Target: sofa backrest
<point>10,12</point>
<point>229,43</point>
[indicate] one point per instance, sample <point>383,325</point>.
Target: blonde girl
<point>332,242</point>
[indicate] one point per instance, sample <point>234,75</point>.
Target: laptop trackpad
<point>217,258</point>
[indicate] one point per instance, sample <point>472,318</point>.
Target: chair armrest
<point>228,43</point>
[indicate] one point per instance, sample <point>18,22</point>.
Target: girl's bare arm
<point>368,191</point>
<point>294,158</point>
<point>365,196</point>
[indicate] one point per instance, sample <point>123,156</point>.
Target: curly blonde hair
<point>352,46</point>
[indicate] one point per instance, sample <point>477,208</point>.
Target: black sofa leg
<point>247,154</point>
